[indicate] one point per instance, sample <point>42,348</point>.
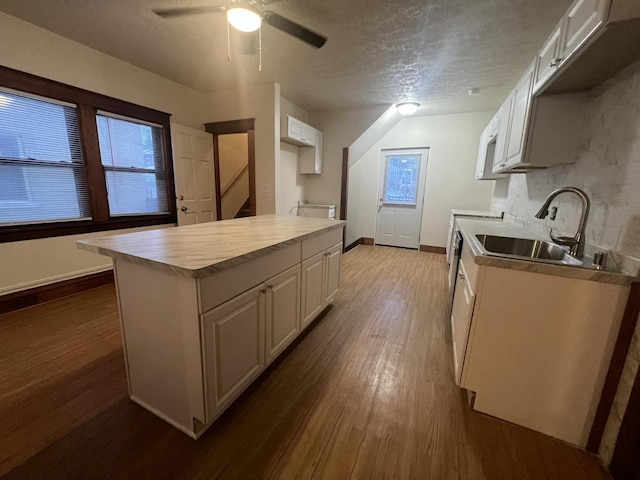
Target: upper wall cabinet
<point>594,40</point>
<point>296,132</point>
<point>487,149</point>
<point>541,120</point>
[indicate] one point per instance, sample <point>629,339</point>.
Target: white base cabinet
<point>534,348</point>
<point>320,282</point>
<point>233,347</point>
<point>193,345</point>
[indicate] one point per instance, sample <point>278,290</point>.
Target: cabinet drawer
<point>222,286</point>
<point>320,243</point>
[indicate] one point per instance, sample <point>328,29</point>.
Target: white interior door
<point>400,197</point>
<point>193,168</point>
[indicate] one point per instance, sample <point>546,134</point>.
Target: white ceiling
<point>379,51</point>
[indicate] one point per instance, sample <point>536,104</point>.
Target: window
<point>132,158</point>
<point>72,161</point>
<point>42,175</point>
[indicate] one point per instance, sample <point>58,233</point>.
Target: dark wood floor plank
<point>367,392</point>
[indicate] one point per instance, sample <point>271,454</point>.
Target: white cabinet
<point>549,59</point>
<point>519,120</point>
<point>487,149</point>
<point>233,347</point>
<point>320,282</point>
<point>582,19</point>
<point>297,132</point>
<point>461,313</point>
<point>282,311</point>
<point>514,345</point>
<point>333,261</point>
<point>310,158</point>
<point>500,152</point>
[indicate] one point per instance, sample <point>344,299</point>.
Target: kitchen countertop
<point>470,227</point>
<point>476,213</point>
<point>203,249</point>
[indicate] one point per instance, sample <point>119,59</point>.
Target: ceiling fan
<point>246,16</point>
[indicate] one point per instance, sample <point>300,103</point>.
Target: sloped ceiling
<point>379,51</point>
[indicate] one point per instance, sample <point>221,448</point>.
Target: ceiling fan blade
<point>183,12</point>
<point>292,28</point>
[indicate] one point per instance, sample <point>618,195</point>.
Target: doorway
<point>234,166</point>
<point>400,197</point>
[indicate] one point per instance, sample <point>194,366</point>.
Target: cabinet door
<point>333,260</point>
<point>482,154</point>
<point>313,287</point>
<point>283,311</point>
<point>519,119</point>
<point>295,129</point>
<point>583,17</point>
<point>506,111</point>
<point>461,313</point>
<point>309,135</point>
<point>233,347</point>
<point>548,58</point>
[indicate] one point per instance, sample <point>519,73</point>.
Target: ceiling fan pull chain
<point>228,43</point>
<point>260,48</point>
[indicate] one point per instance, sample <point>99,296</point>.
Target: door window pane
<point>42,174</point>
<point>401,179</point>
<point>133,160</point>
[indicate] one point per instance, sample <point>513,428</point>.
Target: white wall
<point>31,49</point>
<point>453,145</point>
<point>261,102</point>
<point>289,184</point>
<point>341,128</point>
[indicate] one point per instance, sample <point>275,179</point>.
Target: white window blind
<point>42,174</point>
<point>133,161</point>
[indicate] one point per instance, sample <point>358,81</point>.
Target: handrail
<point>235,178</point>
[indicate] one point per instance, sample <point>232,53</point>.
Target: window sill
<point>15,233</point>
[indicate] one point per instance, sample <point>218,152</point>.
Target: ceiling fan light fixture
<point>407,108</point>
<point>244,19</point>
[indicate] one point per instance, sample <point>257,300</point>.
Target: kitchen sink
<point>526,249</point>
<point>522,247</point>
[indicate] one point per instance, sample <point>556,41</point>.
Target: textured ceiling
<point>379,51</point>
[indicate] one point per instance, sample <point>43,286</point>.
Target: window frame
<point>88,104</point>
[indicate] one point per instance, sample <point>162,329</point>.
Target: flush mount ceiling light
<point>244,19</point>
<point>407,108</point>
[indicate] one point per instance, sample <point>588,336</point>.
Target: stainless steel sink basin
<point>522,247</point>
<point>526,249</point>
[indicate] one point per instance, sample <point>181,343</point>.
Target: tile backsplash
<point>608,169</point>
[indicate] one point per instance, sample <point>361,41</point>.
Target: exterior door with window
<point>400,197</point>
<point>193,160</point>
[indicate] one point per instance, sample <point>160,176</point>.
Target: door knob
<point>183,209</point>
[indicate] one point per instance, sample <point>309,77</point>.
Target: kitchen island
<point>205,308</point>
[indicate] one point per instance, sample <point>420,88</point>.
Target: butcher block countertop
<point>203,249</point>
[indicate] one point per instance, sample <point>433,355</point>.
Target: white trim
<point>56,278</point>
<point>127,119</point>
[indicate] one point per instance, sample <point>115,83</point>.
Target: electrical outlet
<point>265,188</point>
<point>554,213</point>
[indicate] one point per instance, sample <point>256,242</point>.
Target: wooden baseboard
<point>360,241</point>
<point>54,291</point>
<point>431,249</point>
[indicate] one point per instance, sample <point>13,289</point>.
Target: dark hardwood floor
<point>367,393</point>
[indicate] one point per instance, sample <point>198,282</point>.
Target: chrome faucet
<point>575,243</point>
